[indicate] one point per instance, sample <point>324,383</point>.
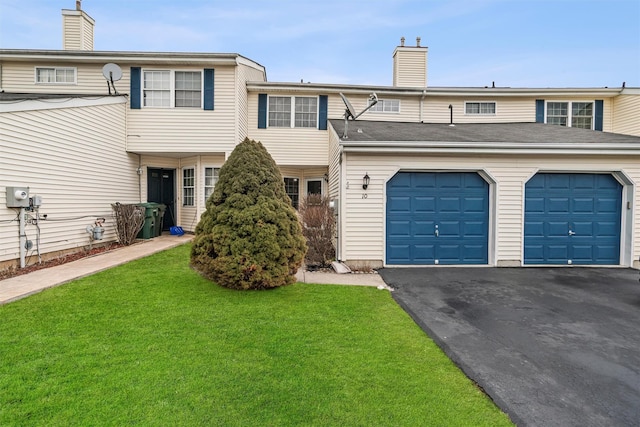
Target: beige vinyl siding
<point>245,74</point>
<point>289,146</point>
<point>334,165</point>
<point>363,222</point>
<point>20,77</point>
<point>72,32</point>
<point>77,30</point>
<point>508,110</point>
<point>188,130</point>
<point>76,160</point>
<point>410,67</point>
<point>626,114</point>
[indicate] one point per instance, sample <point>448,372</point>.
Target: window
<point>304,114</point>
<point>157,89</point>
<point>210,181</point>
<point>56,75</point>
<point>188,187</point>
<point>293,190</point>
<point>582,115</point>
<point>279,111</point>
<point>166,89</point>
<point>386,106</point>
<point>480,108</point>
<point>572,114</point>
<point>314,186</point>
<point>188,89</point>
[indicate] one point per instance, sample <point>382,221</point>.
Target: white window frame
<point>480,113</point>
<point>570,110</point>
<point>292,118</point>
<point>215,178</point>
<point>55,70</point>
<point>172,87</point>
<point>189,200</point>
<point>313,179</point>
<point>386,106</point>
<point>297,179</point>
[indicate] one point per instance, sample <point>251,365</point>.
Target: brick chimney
<point>410,65</point>
<point>77,29</point>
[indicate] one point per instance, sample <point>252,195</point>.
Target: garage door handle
<point>571,233</point>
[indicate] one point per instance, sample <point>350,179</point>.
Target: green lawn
<point>153,343</point>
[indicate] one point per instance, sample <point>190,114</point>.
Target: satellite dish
<point>351,112</point>
<point>113,73</point>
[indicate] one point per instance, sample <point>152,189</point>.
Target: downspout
<point>342,197</point>
<point>139,172</point>
<point>424,94</point>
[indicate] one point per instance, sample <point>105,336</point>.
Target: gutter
<point>611,149</point>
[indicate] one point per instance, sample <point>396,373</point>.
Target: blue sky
<point>516,43</point>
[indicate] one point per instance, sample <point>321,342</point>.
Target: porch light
<point>365,181</point>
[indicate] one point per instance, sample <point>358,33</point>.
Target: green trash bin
<point>160,219</point>
<point>150,216</point>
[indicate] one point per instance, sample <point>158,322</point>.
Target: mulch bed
<point>16,271</point>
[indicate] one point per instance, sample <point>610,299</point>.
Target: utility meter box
<point>17,197</point>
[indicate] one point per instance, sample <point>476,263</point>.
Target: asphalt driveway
<point>551,346</point>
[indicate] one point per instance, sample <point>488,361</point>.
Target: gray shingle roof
<point>362,131</point>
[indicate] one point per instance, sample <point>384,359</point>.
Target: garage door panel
<point>474,229</point>
<point>397,204</point>
<point>424,204</point>
<point>422,229</point>
<point>448,215</point>
<point>557,205</point>
<point>534,229</point>
<point>581,219</point>
<point>398,252</point>
<point>556,229</point>
<point>585,204</point>
<point>608,205</point>
<point>557,253</point>
<point>399,229</point>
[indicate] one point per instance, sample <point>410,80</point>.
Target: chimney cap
<point>418,41</point>
<point>78,4</point>
<point>402,41</point>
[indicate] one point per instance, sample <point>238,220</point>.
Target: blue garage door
<point>437,218</point>
<point>572,219</point>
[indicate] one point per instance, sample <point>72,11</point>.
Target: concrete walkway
<point>21,286</point>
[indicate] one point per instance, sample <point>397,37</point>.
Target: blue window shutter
<point>322,112</point>
<point>209,74</point>
<point>136,75</point>
<point>599,113</point>
<point>262,111</point>
<point>539,110</point>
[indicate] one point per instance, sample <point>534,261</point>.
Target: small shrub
<point>318,227</point>
<point>249,237</point>
<point>129,221</point>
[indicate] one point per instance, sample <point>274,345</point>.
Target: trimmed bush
<point>318,227</point>
<point>249,237</point>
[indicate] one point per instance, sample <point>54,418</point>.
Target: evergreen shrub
<point>249,237</point>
